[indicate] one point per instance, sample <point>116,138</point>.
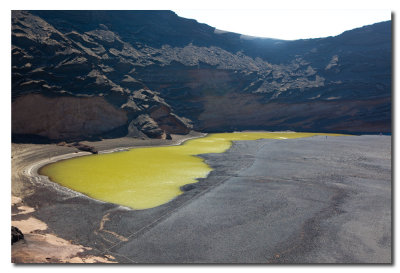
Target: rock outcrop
<point>81,74</point>
<point>16,235</point>
<point>147,125</point>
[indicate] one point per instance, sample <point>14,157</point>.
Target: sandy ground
<point>310,200</point>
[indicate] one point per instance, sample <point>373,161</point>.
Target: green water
<point>144,178</point>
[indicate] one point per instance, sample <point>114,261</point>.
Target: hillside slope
<point>83,74</point>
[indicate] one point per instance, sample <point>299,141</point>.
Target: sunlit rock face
<point>163,74</point>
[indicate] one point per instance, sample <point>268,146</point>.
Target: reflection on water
<point>147,177</point>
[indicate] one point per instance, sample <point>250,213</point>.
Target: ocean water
<point>147,177</point>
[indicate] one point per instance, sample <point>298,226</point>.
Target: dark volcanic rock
<point>85,148</point>
<point>16,235</point>
<point>155,73</point>
<point>148,126</point>
<point>188,187</point>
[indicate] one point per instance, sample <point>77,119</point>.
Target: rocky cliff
<point>81,74</point>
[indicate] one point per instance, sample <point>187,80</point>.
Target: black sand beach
<point>307,200</point>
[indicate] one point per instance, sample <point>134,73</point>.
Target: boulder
<point>16,235</point>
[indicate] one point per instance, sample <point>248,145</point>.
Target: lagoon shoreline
<point>27,159</point>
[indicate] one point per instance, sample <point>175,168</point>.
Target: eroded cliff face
<point>65,117</point>
<point>152,73</point>
<point>241,112</point>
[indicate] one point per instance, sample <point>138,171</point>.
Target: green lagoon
<point>143,178</point>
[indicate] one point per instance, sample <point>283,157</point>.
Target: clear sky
<point>286,24</point>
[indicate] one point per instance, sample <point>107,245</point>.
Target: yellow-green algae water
<point>143,178</point>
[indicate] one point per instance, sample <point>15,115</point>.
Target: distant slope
<point>81,74</point>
